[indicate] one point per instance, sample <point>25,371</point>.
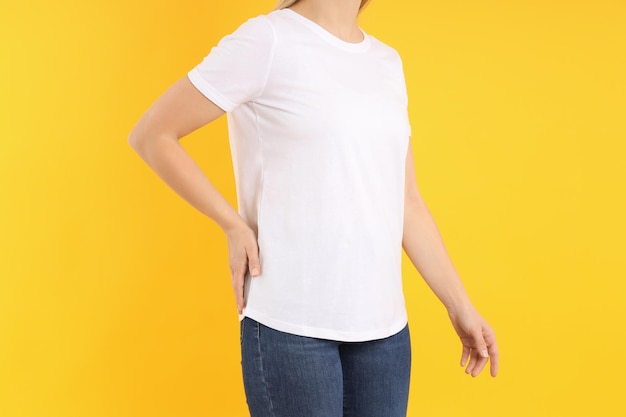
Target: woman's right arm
<point>178,112</point>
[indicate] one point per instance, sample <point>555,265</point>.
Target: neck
<point>339,17</point>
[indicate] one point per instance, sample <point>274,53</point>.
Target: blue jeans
<point>286,375</point>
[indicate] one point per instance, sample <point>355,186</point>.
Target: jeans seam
<point>265,384</point>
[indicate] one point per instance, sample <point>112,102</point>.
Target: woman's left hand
<point>478,339</point>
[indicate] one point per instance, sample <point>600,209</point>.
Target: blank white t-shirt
<point>319,132</point>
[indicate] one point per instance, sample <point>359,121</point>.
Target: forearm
<point>424,246</point>
<point>171,162</point>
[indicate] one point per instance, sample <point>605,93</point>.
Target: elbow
<point>133,139</point>
<point>138,140</point>
<point>144,142</point>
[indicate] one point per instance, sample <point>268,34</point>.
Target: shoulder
<point>386,50</point>
<point>254,26</point>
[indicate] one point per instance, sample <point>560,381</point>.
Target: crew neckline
<point>351,46</point>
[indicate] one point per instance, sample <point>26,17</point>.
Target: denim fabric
<point>286,375</point>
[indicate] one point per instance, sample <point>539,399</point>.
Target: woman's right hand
<point>243,254</point>
<point>177,112</point>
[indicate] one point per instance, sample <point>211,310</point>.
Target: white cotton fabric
<point>319,131</point>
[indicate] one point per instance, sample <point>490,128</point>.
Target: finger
<point>243,292</point>
<point>253,259</point>
<point>480,364</point>
<point>479,342</point>
<point>238,277</point>
<point>465,355</point>
<point>494,359</point>
<point>473,357</point>
<point>479,352</point>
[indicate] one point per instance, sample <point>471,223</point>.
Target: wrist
<point>233,223</point>
<point>459,306</point>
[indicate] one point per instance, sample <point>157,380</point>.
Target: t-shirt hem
<point>324,333</point>
<point>209,91</point>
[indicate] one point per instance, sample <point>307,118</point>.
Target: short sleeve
<point>405,96</point>
<point>236,70</point>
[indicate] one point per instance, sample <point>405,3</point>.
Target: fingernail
<point>255,271</point>
<point>484,353</point>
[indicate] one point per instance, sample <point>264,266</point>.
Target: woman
<point>327,197</point>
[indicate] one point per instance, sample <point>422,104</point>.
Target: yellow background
<point>115,297</point>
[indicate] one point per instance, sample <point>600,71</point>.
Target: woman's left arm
<point>424,246</point>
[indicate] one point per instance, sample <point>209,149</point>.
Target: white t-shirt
<point>319,132</point>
